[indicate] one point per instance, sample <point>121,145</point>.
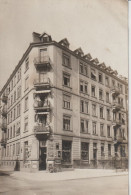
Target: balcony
<point>116,106</point>
<point>3,142</point>
<point>119,139</point>
<point>117,123</point>
<point>44,83</point>
<point>4,98</point>
<point>4,111</point>
<point>42,62</point>
<point>115,91</point>
<point>4,126</point>
<point>42,106</point>
<point>42,131</point>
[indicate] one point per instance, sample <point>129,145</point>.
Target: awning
<point>42,91</point>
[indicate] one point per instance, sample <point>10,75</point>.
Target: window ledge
<point>102,135</point>
<point>84,93</point>
<point>67,87</point>
<point>85,133</point>
<point>26,90</point>
<point>25,131</point>
<point>84,113</point>
<point>26,110</point>
<point>67,130</point>
<point>102,118</point>
<point>67,108</point>
<point>67,66</point>
<point>95,134</point>
<point>94,97</point>
<point>95,116</point>
<point>83,74</point>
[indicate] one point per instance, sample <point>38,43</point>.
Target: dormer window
<point>93,74</point>
<point>65,43</point>
<point>79,52</point>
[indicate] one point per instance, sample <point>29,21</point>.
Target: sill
<point>26,70</point>
<point>100,82</point>
<point>67,130</point>
<point>25,131</point>
<point>67,87</point>
<point>93,79</point>
<point>109,137</point>
<point>85,133</point>
<point>101,100</point>
<point>102,135</point>
<point>102,118</point>
<point>95,116</point>
<point>95,134</point>
<point>84,93</point>
<point>94,97</point>
<point>83,74</point>
<point>26,110</point>
<point>84,113</point>
<point>26,90</point>
<point>67,109</point>
<point>67,66</point>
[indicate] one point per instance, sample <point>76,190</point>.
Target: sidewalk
<point>67,175</point>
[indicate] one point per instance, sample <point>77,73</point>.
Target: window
<point>11,132</point>
<point>26,152</point>
<point>26,124</point>
<point>18,128</point>
<point>27,64</point>
<point>14,96</point>
<point>66,151</point>
<point>11,84</point>
<point>26,103</point>
<point>83,87</point>
<point>18,148</point>
<point>67,123</point>
<point>26,83</point>
<point>66,60</point>
<point>102,150</point>
<point>81,106</point>
<point>101,112</point>
<point>14,80</point>
<point>18,110</point>
<point>100,94</point>
<point>100,78</point>
<point>108,131</point>
<point>109,149</point>
<point>66,101</point>
<point>84,126</point>
<point>14,131</point>
<point>84,151</point>
<point>107,97</point>
<point>93,89</point>
<point>122,151</point>
<point>83,69</point>
<point>113,83</point>
<point>66,80</point>
<point>108,113</point>
<point>13,149</point>
<point>94,109</point>
<point>94,128</point>
<point>11,100</point>
<point>107,81</point>
<point>11,116</point>
<point>93,74</point>
<point>18,92</point>
<point>94,151</point>
<point>14,113</point>
<point>101,129</point>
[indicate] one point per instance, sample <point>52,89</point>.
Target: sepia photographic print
<point>64,97</point>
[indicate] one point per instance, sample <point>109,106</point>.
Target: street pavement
<point>112,185</point>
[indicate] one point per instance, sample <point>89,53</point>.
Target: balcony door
<point>42,77</point>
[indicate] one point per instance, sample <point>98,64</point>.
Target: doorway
<point>42,158</point>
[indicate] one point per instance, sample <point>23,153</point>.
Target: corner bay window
<point>84,151</point>
<point>66,80</point>
<point>66,152</point>
<point>66,123</point>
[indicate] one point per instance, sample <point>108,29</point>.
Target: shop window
<point>66,152</point>
<point>84,151</point>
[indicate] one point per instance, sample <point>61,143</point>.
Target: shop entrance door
<point>42,158</point>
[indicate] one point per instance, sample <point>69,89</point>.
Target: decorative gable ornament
<point>44,37</point>
<point>79,52</point>
<point>102,65</point>
<point>64,42</point>
<point>95,61</point>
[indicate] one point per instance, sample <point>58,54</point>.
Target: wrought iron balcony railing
<point>42,129</point>
<point>42,83</point>
<point>42,62</point>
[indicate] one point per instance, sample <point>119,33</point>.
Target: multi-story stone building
<point>62,104</point>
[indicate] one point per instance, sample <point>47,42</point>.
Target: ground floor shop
<point>40,153</point>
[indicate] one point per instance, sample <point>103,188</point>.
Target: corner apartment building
<point>62,104</point>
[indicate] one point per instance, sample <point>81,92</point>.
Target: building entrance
<point>42,158</point>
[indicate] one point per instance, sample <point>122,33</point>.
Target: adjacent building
<point>62,104</point>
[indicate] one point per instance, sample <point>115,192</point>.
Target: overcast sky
<point>99,27</point>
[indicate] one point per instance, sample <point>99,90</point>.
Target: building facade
<point>62,104</point>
